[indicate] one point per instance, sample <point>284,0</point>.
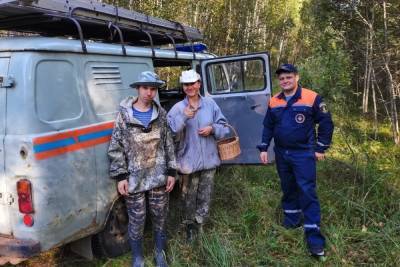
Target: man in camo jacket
<point>143,162</point>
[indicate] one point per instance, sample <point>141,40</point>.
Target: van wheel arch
<point>112,241</point>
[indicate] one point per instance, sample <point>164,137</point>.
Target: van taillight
<point>24,190</point>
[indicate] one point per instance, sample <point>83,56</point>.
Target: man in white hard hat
<point>198,122</point>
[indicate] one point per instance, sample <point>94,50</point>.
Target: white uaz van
<point>59,93</point>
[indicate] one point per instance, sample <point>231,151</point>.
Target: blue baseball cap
<point>148,78</point>
<point>286,68</point>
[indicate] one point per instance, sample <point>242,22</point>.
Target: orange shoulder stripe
<point>275,102</point>
<point>307,98</point>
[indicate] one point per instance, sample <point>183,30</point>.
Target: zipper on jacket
<point>201,143</point>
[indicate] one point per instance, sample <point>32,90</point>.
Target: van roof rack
<point>89,19</point>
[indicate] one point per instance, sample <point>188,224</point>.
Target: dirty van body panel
<point>241,86</point>
<point>63,190</point>
<point>5,227</point>
<point>47,118</point>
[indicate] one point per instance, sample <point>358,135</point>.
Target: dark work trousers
<point>197,190</point>
<point>136,205</point>
<point>297,172</point>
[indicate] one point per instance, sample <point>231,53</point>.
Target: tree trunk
<point>389,81</point>
<point>368,64</point>
<point>229,29</point>
<point>375,110</point>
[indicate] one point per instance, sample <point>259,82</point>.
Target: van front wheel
<point>113,240</point>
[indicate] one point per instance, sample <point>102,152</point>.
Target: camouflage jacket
<point>145,156</point>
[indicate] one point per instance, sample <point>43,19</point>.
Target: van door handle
<point>7,82</point>
<point>10,199</point>
<point>253,107</point>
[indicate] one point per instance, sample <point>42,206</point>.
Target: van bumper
<point>18,248</point>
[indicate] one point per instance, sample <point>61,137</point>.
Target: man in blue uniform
<point>291,120</point>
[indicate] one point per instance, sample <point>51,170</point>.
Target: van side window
<point>219,78</point>
<point>56,94</point>
<point>108,84</point>
<point>236,76</point>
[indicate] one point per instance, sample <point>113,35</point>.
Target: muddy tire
<point>112,241</point>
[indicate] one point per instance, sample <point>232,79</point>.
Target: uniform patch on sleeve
<point>323,107</point>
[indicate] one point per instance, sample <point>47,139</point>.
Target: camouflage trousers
<point>197,189</point>
<point>136,205</point>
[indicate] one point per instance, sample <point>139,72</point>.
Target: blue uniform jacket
<point>293,124</point>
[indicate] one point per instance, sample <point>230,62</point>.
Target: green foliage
<point>233,26</point>
<point>328,73</point>
<point>326,38</point>
<point>366,34</point>
<point>326,67</point>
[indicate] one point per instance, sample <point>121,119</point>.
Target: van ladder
<point>94,20</point>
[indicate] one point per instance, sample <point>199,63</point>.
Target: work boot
<point>160,258</point>
<point>200,229</point>
<point>191,232</point>
<point>318,253</point>
<point>137,252</point>
<point>315,242</point>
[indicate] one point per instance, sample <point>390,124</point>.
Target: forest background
<point>348,51</point>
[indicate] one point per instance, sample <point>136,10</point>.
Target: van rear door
<point>5,198</point>
<point>241,86</point>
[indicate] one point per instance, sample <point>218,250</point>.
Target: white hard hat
<point>189,76</point>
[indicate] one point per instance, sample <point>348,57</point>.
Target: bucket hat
<point>148,78</point>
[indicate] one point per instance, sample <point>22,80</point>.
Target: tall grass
<point>359,191</point>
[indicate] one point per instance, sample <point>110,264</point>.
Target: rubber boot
<point>200,228</point>
<point>160,258</point>
<point>191,233</point>
<point>137,253</point>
